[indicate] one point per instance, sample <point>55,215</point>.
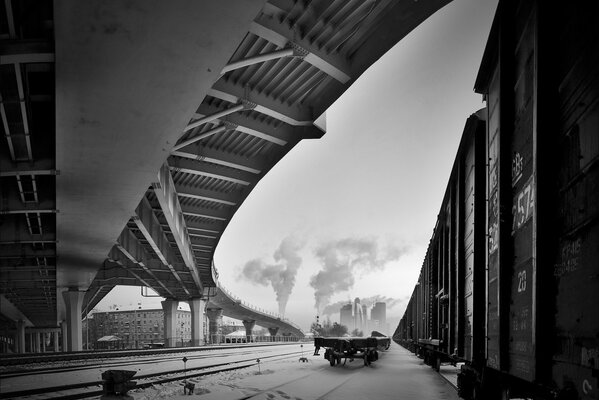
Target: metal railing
<point>223,339</point>
<point>256,309</point>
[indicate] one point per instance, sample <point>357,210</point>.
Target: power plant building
<point>346,316</point>
<point>355,316</point>
<point>378,316</point>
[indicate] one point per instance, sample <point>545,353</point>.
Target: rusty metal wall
<point>522,136</point>
<point>576,259</point>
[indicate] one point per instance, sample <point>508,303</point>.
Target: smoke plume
<point>344,258</point>
<point>334,308</point>
<point>390,301</point>
<point>280,274</point>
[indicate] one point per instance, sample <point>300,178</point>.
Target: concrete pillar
<point>273,333</point>
<point>73,300</point>
<point>169,307</point>
<point>215,317</point>
<point>55,336</point>
<point>37,342</point>
<point>64,335</point>
<point>20,337</point>
<point>249,325</point>
<point>197,321</point>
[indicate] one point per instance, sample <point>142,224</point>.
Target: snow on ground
<point>397,374</point>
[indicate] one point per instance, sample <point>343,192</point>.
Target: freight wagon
<point>510,281</point>
<point>366,348</point>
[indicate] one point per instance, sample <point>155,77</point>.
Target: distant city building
<point>135,328</point>
<point>346,316</point>
<point>355,316</point>
<point>378,316</point>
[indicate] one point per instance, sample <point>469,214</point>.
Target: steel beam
<point>281,134</point>
<point>260,58</point>
<point>15,234</point>
<point>259,130</point>
<point>291,114</point>
<point>208,241</point>
<point>219,214</point>
<point>280,33</point>
<point>24,58</point>
<point>121,255</point>
<point>148,224</point>
<point>197,168</point>
<point>231,198</point>
<point>201,136</point>
<point>202,235</point>
<point>20,252</point>
<point>197,152</point>
<point>167,197</point>
<point>212,117</point>
<point>37,167</point>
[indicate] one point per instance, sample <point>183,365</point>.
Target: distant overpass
<point>133,131</point>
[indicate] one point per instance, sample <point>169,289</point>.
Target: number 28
<point>521,281</point>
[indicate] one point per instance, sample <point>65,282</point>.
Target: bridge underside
<point>133,132</point>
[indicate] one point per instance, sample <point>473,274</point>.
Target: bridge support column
<point>170,322</point>
<point>249,325</point>
<point>215,317</point>
<point>20,337</point>
<point>73,300</point>
<point>55,336</point>
<point>64,335</point>
<point>37,348</point>
<point>197,321</point>
<point>273,333</point>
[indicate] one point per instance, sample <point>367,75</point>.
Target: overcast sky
<point>350,215</point>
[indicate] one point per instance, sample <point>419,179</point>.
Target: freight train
<point>509,286</point>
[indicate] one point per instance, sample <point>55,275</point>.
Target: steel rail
<point>19,359</point>
<point>116,363</point>
<point>180,375</point>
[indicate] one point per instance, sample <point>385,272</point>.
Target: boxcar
<point>445,315</point>
<point>521,310</point>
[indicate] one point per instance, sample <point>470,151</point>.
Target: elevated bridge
<point>133,131</point>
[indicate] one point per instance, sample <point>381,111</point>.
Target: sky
<point>350,215</point>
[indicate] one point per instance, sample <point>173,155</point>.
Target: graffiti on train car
<point>493,222</point>
<point>517,167</point>
<point>523,206</point>
<point>590,357</point>
<point>521,320</point>
<point>569,254</point>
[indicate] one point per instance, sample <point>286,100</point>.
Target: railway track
<point>106,364</point>
<point>21,359</point>
<point>93,388</point>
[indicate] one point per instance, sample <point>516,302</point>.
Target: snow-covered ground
<point>397,374</point>
<point>142,364</point>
